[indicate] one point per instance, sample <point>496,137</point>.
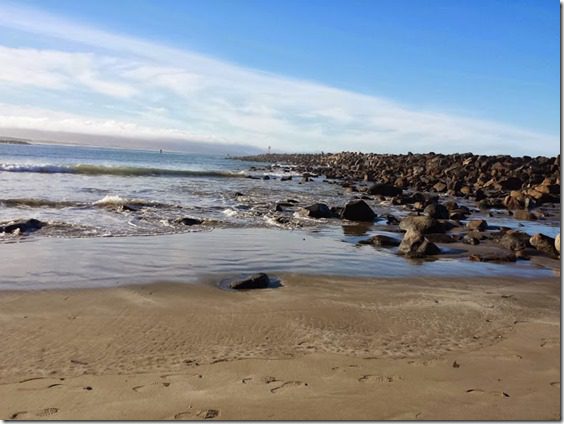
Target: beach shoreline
<point>317,348</point>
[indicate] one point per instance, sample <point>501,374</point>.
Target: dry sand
<point>318,348</point>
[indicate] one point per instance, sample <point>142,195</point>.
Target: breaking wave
<point>125,171</point>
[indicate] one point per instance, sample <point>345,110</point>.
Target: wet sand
<point>318,348</point>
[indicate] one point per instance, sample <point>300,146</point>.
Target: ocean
<point>115,216</point>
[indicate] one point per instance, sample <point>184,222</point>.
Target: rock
<point>188,221</point>
<point>421,224</point>
<point>524,215</point>
<point>477,225</point>
<point>500,257</point>
<point>544,244</point>
<point>131,207</point>
<point>510,183</point>
<point>266,177</point>
<point>27,226</point>
<point>255,281</point>
<point>381,240</point>
<point>437,211</point>
<point>385,190</point>
<point>440,187</point>
<point>557,243</point>
<point>286,178</point>
<point>358,210</point>
<point>514,240</point>
<point>441,238</point>
<point>414,244</point>
<point>317,210</point>
<point>468,239</point>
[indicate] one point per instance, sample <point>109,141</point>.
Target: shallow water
<point>104,262</point>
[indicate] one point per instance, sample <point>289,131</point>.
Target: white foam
<point>111,200</point>
<point>230,212</point>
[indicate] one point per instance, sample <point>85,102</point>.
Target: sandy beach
<point>317,348</point>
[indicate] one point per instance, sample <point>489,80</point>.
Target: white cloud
<point>162,90</point>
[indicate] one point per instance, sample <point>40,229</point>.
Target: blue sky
<point>372,75</point>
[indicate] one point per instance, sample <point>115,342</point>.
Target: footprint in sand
<point>491,393</point>
<point>550,342</point>
<point>153,386</point>
<point>41,413</point>
<point>379,378</point>
<point>203,414</point>
<point>263,380</point>
<point>555,384</point>
<point>288,385</point>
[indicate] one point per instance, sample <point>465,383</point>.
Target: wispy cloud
<point>156,90</point>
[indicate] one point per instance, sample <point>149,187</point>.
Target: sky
<point>387,76</point>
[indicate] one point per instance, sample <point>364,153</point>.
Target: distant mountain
<point>22,136</point>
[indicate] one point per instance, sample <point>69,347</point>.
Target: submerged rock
<point>381,240</point>
<point>317,210</point>
<point>188,221</point>
<point>27,226</point>
<point>494,257</point>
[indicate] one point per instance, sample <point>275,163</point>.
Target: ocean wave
<point>124,171</point>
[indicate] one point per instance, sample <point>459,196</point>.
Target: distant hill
<point>13,140</point>
<point>166,144</point>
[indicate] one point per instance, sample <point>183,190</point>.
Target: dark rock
<point>358,210</point>
<point>437,211</point>
<point>544,244</point>
<point>318,210</point>
<point>131,207</point>
<point>188,221</point>
<point>27,226</point>
<point>381,240</point>
<point>440,238</point>
<point>286,178</point>
<point>255,281</point>
<point>385,190</point>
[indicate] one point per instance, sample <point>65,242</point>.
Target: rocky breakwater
<point>514,183</point>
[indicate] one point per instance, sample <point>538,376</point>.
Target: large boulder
<point>414,244</point>
<point>385,190</point>
<point>557,243</point>
<point>26,226</point>
<point>544,244</point>
<point>421,224</point>
<point>317,210</point>
<point>358,210</point>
